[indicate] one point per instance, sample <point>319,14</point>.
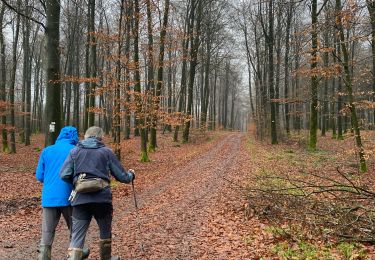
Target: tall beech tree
<point>314,76</point>
<point>195,42</point>
<point>3,104</point>
<point>53,106</point>
<point>349,87</point>
<point>159,84</point>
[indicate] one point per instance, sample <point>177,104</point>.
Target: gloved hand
<point>131,171</point>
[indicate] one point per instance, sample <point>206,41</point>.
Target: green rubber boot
<point>75,254</point>
<point>106,250</point>
<point>85,252</point>
<point>44,252</point>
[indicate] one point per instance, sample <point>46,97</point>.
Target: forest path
<point>191,212</point>
<point>174,215</point>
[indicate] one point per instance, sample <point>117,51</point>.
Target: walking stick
<point>137,216</point>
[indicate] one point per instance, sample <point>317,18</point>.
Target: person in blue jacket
<point>55,192</point>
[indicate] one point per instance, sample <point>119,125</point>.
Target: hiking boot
<point>106,250</point>
<point>75,254</point>
<point>44,252</point>
<point>85,252</point>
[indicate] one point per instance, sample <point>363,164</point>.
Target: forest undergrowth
<point>315,204</point>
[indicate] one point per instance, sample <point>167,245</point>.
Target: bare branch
<point>22,14</point>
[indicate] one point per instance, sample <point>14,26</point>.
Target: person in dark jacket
<point>55,192</point>
<point>91,159</point>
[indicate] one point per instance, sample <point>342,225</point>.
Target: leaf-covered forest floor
<point>192,197</point>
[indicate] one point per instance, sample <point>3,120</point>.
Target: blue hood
<point>68,133</point>
<point>56,192</point>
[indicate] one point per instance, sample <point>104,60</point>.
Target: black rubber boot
<point>44,252</point>
<point>75,254</point>
<point>106,250</point>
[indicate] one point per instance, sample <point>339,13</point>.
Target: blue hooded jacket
<point>55,192</point>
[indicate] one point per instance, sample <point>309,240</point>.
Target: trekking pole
<point>137,216</point>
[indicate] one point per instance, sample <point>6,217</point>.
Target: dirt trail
<point>178,215</point>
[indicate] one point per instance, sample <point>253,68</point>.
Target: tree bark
<point>13,81</point>
<point>271,73</point>
<point>371,10</point>
<point>117,100</point>
<point>193,64</point>
<point>53,106</point>
<point>137,86</point>
<point>159,84</point>
<point>314,78</point>
<point>286,67</point>
<point>349,89</point>
<point>93,62</point>
<point>4,132</point>
<point>185,45</point>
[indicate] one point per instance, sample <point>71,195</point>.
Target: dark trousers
<point>82,215</point>
<point>50,219</point>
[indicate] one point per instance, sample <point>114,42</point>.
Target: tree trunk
<point>52,34</point>
<point>193,64</point>
<point>325,118</point>
<point>129,12</point>
<point>117,100</point>
<point>286,68</point>
<point>87,71</point>
<point>4,132</point>
<point>93,63</point>
<point>12,83</point>
<point>248,58</point>
<point>150,85</point>
<point>349,89</point>
<point>159,84</point>
<point>137,86</point>
<point>314,78</point>
<point>185,46</point>
<point>271,73</point>
<point>206,86</point>
<point>371,10</point>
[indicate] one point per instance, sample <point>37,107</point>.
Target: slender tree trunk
<point>271,73</point>
<point>185,46</point>
<point>150,86</point>
<point>87,70</point>
<point>325,118</point>
<point>286,66</point>
<point>207,67</point>
<point>168,127</point>
<point>349,89</point>
<point>76,91</point>
<point>137,85</point>
<point>159,84</point>
<point>225,96</point>
<point>371,10</point>
<point>314,78</point>
<point>248,58</point>
<point>4,132</point>
<point>193,64</point>
<point>13,81</point>
<point>129,8</point>
<point>332,108</point>
<point>93,62</point>
<point>117,101</point>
